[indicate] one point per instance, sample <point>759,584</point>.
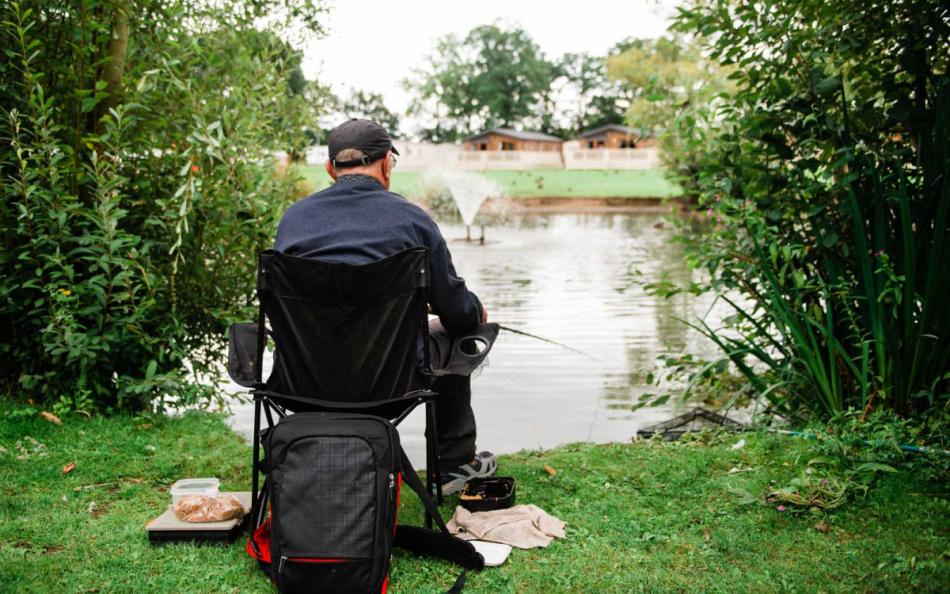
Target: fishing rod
<point>548,340</point>
<point>907,448</point>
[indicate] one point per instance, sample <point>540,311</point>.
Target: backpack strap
<point>409,475</point>
<point>440,544</point>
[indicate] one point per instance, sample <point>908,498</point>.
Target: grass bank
<point>641,518</point>
<point>537,183</point>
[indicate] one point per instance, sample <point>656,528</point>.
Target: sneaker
<point>484,464</point>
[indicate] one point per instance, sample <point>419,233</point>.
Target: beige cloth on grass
<point>522,526</point>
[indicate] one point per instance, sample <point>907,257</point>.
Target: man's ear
<point>387,167</point>
<point>330,170</point>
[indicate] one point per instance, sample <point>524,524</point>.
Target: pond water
<point>568,277</point>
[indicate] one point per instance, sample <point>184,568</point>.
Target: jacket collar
<point>353,179</point>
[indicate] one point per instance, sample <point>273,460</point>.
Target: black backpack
<point>335,481</point>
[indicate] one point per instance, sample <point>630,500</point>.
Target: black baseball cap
<point>365,135</point>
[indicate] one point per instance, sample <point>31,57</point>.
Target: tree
<point>662,77</point>
<point>595,100</point>
<point>136,188</point>
<point>673,93</point>
<point>370,106</point>
<point>492,77</point>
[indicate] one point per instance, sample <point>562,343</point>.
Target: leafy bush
<point>826,195</point>
<point>137,187</point>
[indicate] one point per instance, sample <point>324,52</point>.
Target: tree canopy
<point>673,93</point>
<point>661,77</point>
<point>370,106</point>
<point>491,77</point>
<point>593,99</point>
<point>496,76</point>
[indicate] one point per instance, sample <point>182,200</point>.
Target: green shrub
<point>826,196</point>
<point>137,187</point>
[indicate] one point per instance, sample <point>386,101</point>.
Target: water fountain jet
<point>469,191</point>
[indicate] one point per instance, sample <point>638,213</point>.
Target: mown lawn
<point>539,183</point>
<point>641,517</point>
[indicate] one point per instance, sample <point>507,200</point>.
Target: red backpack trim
<point>258,545</point>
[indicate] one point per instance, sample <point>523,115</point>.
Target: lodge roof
<point>537,136</point>
<point>615,127</point>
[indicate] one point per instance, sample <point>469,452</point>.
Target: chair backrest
<point>343,332</point>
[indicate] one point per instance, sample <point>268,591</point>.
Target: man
<point>356,221</point>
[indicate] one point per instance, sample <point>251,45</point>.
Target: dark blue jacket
<point>357,221</point>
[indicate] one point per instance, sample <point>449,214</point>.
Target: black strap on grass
<point>440,544</point>
<point>459,584</point>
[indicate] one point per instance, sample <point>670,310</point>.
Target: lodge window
<point>507,146</point>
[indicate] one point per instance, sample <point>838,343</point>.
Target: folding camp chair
<point>347,338</point>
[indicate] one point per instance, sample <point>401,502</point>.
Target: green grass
<point>641,517</point>
<point>649,183</point>
<point>541,183</point>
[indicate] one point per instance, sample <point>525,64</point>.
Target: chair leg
<point>429,456</point>
<point>433,468</point>
<point>254,460</point>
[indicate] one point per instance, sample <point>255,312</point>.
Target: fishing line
<point>548,340</point>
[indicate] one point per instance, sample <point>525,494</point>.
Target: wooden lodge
<point>504,139</point>
<point>615,136</point>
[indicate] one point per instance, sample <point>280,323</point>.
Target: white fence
<point>413,156</point>
<point>481,160</point>
<point>646,158</point>
<point>419,156</point>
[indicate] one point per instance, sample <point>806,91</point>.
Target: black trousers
<point>454,416</point>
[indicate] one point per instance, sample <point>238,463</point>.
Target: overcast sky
<point>373,44</point>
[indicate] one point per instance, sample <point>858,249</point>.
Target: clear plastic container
<point>195,486</point>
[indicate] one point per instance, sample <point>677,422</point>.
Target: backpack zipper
<point>285,558</point>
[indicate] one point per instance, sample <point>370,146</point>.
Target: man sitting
<point>356,221</point>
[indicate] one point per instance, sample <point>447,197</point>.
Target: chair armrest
<point>467,352</point>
